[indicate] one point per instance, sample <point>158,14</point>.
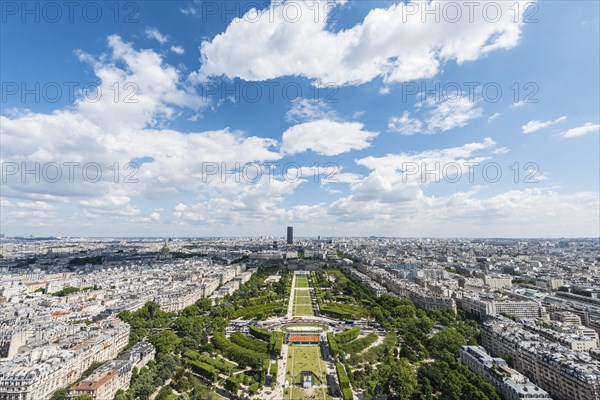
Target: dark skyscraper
<point>290,235</point>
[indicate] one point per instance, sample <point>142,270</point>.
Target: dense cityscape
<point>300,200</point>
<point>291,318</point>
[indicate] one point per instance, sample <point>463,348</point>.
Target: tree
<point>204,304</point>
<point>447,340</point>
<point>403,380</point>
<point>60,394</point>
<point>165,341</point>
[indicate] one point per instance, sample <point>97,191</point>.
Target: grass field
<point>302,303</point>
<point>301,281</point>
<point>307,394</point>
<point>303,311</point>
<point>306,358</point>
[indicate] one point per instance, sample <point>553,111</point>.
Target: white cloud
<point>535,212</point>
<point>398,178</point>
<point>234,203</point>
<point>304,110</point>
<point>582,130</point>
<point>493,117</point>
<point>392,43</point>
<point>153,33</point>
<point>36,205</point>
<point>188,11</point>
<point>448,114</point>
<point>325,137</point>
<point>325,174</point>
<point>536,125</point>
<point>177,50</point>
<point>441,116</point>
<point>155,216</point>
<point>405,125</point>
<point>397,164</point>
<point>112,133</point>
<point>501,150</point>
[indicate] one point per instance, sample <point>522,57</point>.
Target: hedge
<point>259,311</point>
<point>342,376</point>
<point>260,333</point>
<point>232,385</point>
<point>205,370</point>
<point>376,352</point>
<point>358,345</point>
<point>192,355</point>
<point>249,343</point>
<point>252,389</point>
<point>222,365</point>
<point>333,345</point>
<point>347,394</point>
<point>276,343</point>
<point>273,371</point>
<point>343,311</point>
<point>239,354</point>
<point>264,372</point>
<point>347,335</point>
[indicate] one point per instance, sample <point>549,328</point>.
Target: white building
<point>511,384</point>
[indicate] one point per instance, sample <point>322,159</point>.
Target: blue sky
<point>334,84</point>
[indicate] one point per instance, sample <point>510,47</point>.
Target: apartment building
<point>179,297</point>
<point>114,375</point>
<point>565,374</point>
<point>101,385</point>
<point>40,372</point>
<point>511,384</point>
<point>486,307</point>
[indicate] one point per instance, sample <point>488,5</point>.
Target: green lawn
<point>306,358</point>
<point>303,311</point>
<point>302,304</point>
<point>302,298</point>
<point>302,281</point>
<point>307,394</point>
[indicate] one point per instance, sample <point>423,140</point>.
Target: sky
<point>340,118</point>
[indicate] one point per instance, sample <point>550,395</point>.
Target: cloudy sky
<point>341,118</point>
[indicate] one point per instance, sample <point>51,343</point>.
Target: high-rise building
<point>290,235</point>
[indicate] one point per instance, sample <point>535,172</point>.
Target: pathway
<point>291,303</point>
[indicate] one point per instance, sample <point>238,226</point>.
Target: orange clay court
<point>305,339</point>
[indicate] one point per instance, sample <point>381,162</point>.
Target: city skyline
<point>206,125</point>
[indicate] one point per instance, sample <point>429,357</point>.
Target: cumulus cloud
<point>325,137</point>
<point>392,43</point>
<point>535,125</point>
<point>402,177</point>
<point>107,134</point>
